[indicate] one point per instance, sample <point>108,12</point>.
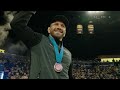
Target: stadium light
<point>95,12</point>
<point>79,29</point>
<point>91,27</point>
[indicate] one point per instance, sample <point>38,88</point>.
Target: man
<point>9,45</point>
<point>49,59</point>
<point>5,19</point>
<point>7,37</point>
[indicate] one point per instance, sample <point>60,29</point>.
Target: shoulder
<point>67,51</point>
<point>44,38</point>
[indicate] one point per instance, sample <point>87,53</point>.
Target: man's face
<point>9,15</point>
<point>57,30</point>
<point>4,29</point>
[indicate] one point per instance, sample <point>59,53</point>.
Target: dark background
<point>104,41</point>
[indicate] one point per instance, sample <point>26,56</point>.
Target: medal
<point>59,55</point>
<point>58,67</point>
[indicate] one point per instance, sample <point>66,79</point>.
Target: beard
<point>58,34</point>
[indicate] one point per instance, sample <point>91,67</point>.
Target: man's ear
<point>48,29</point>
<point>64,34</point>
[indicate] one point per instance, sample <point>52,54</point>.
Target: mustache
<point>61,31</point>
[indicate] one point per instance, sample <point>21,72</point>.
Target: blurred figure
<point>9,43</point>
<point>5,19</point>
<point>8,40</point>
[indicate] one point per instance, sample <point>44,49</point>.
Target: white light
<point>1,74</point>
<point>91,11</point>
<point>95,12</point>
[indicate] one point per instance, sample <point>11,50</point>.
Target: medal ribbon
<point>58,55</point>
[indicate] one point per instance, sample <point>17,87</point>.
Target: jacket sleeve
<point>22,31</point>
<point>70,73</point>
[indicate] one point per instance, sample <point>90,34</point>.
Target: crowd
<point>96,70</point>
<point>15,66</point>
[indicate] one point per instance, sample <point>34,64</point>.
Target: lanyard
<point>58,55</point>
